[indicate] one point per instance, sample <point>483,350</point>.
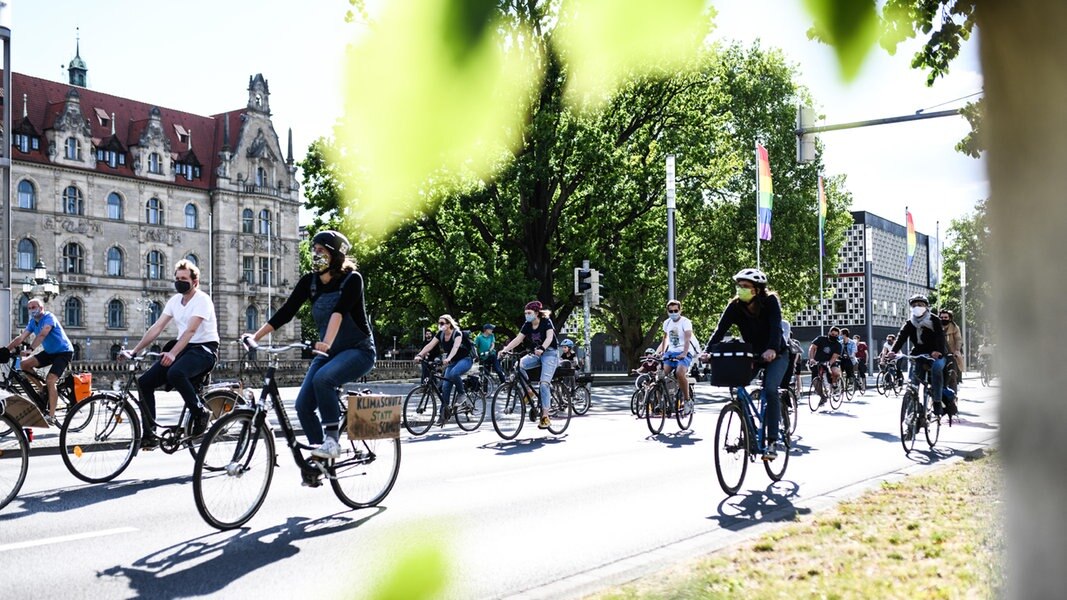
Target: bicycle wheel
<point>731,448</point>
<point>420,410</point>
<point>656,408</point>
<point>581,399</point>
<point>931,425</point>
<point>848,388</point>
<point>642,406</point>
<point>909,421</point>
<point>14,459</point>
<point>508,410</point>
<point>776,468</point>
<point>789,410</point>
<point>559,412</point>
<point>218,403</point>
<point>105,445</point>
<point>684,415</point>
<point>469,412</point>
<point>814,398</point>
<point>229,497</point>
<point>837,394</point>
<point>366,470</point>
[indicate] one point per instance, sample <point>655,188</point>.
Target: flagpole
<point>818,215</point>
<point>937,257</point>
<point>756,150</point>
<point>907,266</point>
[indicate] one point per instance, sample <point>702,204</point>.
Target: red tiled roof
<point>45,101</point>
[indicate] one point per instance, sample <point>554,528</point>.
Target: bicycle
<point>14,456</point>
<point>889,379</point>
<point>915,413</point>
<point>110,435</point>
<point>741,434</point>
<point>509,412</point>
<point>823,389</point>
<point>663,398</point>
<point>573,386</point>
<point>33,388</point>
<point>985,367</point>
<point>790,402</point>
<point>643,375</point>
<point>422,402</point>
<point>235,465</point>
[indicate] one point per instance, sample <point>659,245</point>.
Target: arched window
<point>115,262</point>
<point>155,311</point>
<point>27,254</point>
<point>261,177</point>
<point>114,206</point>
<point>264,222</point>
<point>74,151</point>
<point>73,258</point>
<point>72,312</point>
<point>27,195</point>
<point>154,211</point>
<point>193,259</point>
<point>116,314</point>
<point>251,318</point>
<point>23,315</point>
<point>72,201</point>
<point>154,262</point>
<point>247,221</point>
<point>155,165</point>
<point>190,216</point>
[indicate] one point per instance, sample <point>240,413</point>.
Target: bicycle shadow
<point>438,435</point>
<point>838,413</point>
<point>522,446</point>
<point>192,567</point>
<point>796,448</point>
<point>772,505</point>
<point>678,439</point>
<point>883,436</point>
<point>70,498</point>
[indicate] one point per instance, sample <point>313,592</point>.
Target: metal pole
<point>822,246</point>
<point>670,230</point>
<point>588,330</point>
<point>963,309</point>
<point>885,121</point>
<point>868,281</point>
<point>5,166</point>
<point>757,207</point>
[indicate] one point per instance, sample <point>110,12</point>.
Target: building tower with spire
<point>77,69</point>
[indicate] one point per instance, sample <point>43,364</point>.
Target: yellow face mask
<point>745,294</point>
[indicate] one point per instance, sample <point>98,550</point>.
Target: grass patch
<point>933,536</point>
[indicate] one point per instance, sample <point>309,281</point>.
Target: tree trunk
<point>1024,54</point>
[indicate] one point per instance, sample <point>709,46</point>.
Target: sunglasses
<point>673,312</point>
<point>442,322</point>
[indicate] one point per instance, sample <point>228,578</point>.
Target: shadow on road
<point>771,505</point>
<point>438,435</point>
<point>884,436</point>
<point>207,564</point>
<point>70,498</point>
<point>505,448</point>
<point>678,439</point>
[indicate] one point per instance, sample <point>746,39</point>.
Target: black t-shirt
<point>826,348</point>
<point>536,337</point>
<point>351,300</point>
<point>446,345</point>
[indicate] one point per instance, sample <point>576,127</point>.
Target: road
<point>538,517</point>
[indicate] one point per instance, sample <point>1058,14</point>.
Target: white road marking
<point>66,538</point>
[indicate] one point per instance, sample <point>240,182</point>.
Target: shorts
<point>59,361</point>
<point>677,361</point>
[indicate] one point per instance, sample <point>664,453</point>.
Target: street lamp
<point>42,285</point>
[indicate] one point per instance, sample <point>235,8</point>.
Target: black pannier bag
<point>731,364</point>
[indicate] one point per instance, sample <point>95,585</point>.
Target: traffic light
<point>805,141</point>
<point>582,280</point>
<point>594,289</point>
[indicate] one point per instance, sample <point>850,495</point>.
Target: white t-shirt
<point>675,331</point>
<point>198,306</point>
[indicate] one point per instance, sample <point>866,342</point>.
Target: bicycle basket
<point>565,369</point>
<point>731,364</point>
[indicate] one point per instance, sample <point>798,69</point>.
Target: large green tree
<point>970,246</point>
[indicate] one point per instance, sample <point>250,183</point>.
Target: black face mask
<point>945,321</point>
<point>182,287</point>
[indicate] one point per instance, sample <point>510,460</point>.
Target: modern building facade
<point>878,295</point>
<point>109,193</point>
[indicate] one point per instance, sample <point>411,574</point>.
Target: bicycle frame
<point>744,400</point>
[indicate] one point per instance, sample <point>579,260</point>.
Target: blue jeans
<point>319,390</point>
<point>772,379</point>
<point>454,378</point>
<point>937,376</point>
<point>548,360</point>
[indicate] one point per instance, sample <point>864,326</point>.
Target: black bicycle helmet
<point>334,241</point>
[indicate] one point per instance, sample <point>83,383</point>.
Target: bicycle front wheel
<point>228,497</point>
<point>420,410</point>
<point>581,399</point>
<point>102,446</point>
<point>14,459</point>
<point>684,415</point>
<point>789,410</point>
<point>366,470</point>
<point>814,397</point>
<point>909,421</point>
<point>656,408</point>
<point>732,443</point>
<point>932,426</point>
<point>470,412</point>
<point>837,393</point>
<point>508,410</point>
<point>849,388</point>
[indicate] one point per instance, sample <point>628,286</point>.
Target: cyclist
<point>456,347</point>
<point>335,291</point>
<point>485,342</point>
<point>758,315</point>
<point>861,358</point>
<point>848,353</point>
<point>926,337</point>
<point>677,338</point>
<point>56,350</point>
<point>827,350</point>
<point>954,343</point>
<point>192,356</point>
<point>540,337</point>
<point>793,369</point>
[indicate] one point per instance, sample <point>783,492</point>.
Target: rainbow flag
<point>822,219</point>
<point>911,239</point>
<point>764,193</point>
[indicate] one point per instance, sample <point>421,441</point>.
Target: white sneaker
<point>328,449</point>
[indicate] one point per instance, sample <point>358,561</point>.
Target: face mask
<point>440,328</point>
<point>183,287</point>
<point>945,321</point>
<point>320,262</point>
<point>676,316</point>
<point>918,311</point>
<point>529,318</point>
<point>745,294</point>
<point>35,312</point>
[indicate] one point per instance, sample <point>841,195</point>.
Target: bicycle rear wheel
<point>684,415</point>
<point>909,421</point>
<point>656,408</point>
<point>420,410</point>
<point>559,411</point>
<point>107,441</point>
<point>731,448</point>
<point>366,470</point>
<point>932,426</point>
<point>789,410</point>
<point>776,468</point>
<point>469,412</point>
<point>14,459</point>
<point>581,399</point>
<point>508,410</point>
<point>228,497</point>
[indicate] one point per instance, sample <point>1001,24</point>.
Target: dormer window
<point>73,149</point>
<point>103,117</point>
<point>183,133</point>
<point>190,172</point>
<point>155,164</point>
<point>111,157</point>
<point>25,143</point>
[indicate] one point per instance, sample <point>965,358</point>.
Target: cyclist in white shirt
<point>192,355</point>
<point>677,339</point>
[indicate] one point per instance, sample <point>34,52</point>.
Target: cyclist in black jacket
<point>924,332</point>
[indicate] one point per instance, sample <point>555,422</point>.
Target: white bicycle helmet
<point>918,298</point>
<point>754,275</point>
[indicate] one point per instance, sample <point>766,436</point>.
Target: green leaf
<point>418,573</point>
<point>850,26</point>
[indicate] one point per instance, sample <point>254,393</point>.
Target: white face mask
<point>918,311</point>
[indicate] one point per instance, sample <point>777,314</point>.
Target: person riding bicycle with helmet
<point>334,289</point>
<point>757,313</point>
<point>924,332</point>
<point>540,337</point>
<point>567,351</point>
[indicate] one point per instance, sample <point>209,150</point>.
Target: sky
<point>197,56</point>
